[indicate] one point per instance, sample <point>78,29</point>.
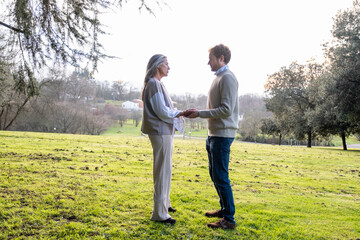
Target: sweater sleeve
<point>228,89</point>
<point>161,110</point>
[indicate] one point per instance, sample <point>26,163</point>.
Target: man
<point>222,115</point>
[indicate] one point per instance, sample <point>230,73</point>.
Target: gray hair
<point>153,63</point>
<point>151,68</point>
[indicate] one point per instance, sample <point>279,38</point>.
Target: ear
<point>222,58</point>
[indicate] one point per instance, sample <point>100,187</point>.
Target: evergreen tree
<point>58,32</point>
<point>38,35</point>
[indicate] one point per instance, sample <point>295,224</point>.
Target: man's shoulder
<point>228,71</point>
<point>228,75</point>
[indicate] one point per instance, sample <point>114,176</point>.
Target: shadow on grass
<point>342,150</point>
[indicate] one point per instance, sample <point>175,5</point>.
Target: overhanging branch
<point>12,28</point>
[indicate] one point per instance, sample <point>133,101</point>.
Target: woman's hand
<point>191,113</point>
<point>180,114</point>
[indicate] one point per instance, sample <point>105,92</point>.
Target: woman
<point>159,121</point>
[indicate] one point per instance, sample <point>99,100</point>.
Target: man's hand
<point>191,113</point>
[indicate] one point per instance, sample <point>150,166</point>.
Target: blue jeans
<point>218,149</point>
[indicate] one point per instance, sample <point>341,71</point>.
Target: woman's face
<point>164,68</point>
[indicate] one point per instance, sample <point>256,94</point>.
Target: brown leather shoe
<point>222,223</point>
<point>217,213</point>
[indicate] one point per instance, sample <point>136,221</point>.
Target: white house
<point>130,106</point>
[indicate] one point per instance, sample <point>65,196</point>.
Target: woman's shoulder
<point>153,81</point>
<point>153,85</point>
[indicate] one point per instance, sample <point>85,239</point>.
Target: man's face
<point>215,63</point>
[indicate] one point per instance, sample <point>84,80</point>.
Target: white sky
<point>263,36</point>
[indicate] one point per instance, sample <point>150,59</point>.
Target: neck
<point>157,76</point>
<point>221,65</point>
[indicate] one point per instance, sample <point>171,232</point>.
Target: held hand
<point>195,114</point>
<point>191,113</point>
<point>180,114</point>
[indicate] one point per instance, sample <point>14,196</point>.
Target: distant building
<point>139,102</point>
<point>134,105</point>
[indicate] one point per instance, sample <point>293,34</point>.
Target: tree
<point>134,93</point>
<point>326,118</point>
<point>103,90</point>
<point>65,117</point>
<point>119,88</point>
<point>123,116</point>
<point>60,31</point>
<point>289,99</point>
<point>249,127</point>
<point>94,123</point>
<point>48,33</point>
<point>80,86</point>
<point>15,90</point>
<point>253,109</point>
<point>136,116</point>
<point>268,126</point>
<point>343,53</point>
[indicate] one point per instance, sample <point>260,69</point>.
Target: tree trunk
<point>280,139</point>
<point>7,125</point>
<point>343,139</point>
<point>309,139</point>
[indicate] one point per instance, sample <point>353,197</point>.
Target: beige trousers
<point>162,166</point>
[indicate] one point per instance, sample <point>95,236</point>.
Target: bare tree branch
<point>12,28</point>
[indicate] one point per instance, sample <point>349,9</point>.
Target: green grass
<point>128,129</point>
<point>59,186</point>
<point>196,133</point>
<point>349,140</point>
<point>114,102</point>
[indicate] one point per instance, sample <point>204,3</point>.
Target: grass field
<point>58,186</point>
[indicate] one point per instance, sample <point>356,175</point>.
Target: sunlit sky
<point>263,36</point>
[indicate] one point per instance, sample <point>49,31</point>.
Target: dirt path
<point>353,146</point>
